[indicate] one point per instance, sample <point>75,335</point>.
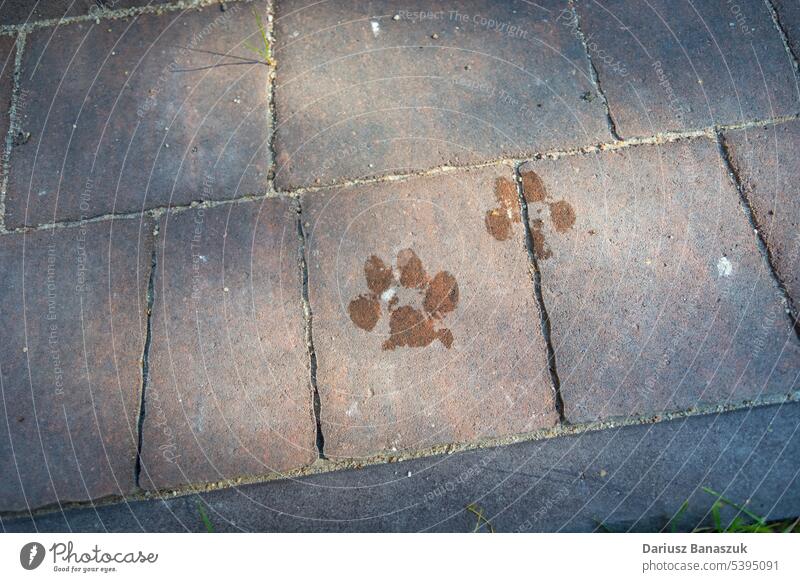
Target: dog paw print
<point>562,214</point>
<point>427,301</point>
<point>500,220</point>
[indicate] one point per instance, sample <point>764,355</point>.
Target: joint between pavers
<point>329,466</point>
<point>308,318</point>
<point>272,116</point>
<point>776,20</point>
<point>155,212</point>
<point>145,362</point>
<point>593,73</point>
<point>708,132</point>
<point>19,46</point>
<point>761,241</point>
<point>105,14</point>
<point>544,318</point>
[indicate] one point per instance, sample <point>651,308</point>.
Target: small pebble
<point>396,17</point>
<point>435,36</point>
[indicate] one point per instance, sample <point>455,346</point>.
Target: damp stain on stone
<point>499,220</point>
<point>540,248</point>
<point>562,215</point>
<point>533,189</point>
<point>378,275</point>
<point>365,311</point>
<point>413,326</point>
<point>412,273</point>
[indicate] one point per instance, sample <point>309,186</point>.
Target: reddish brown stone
<point>73,305</point>
<point>229,391</point>
<point>658,296</point>
<point>457,352</point>
<point>361,93</point>
<point>767,163</point>
<point>131,114</point>
<point>679,65</point>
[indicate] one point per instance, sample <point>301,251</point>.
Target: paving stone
<point>658,296</point>
<point>7,54</point>
<point>25,11</point>
<point>367,88</point>
<point>789,19</point>
<point>229,390</point>
<point>766,160</point>
<point>132,114</point>
<point>629,479</point>
<point>425,325</point>
<point>682,65</point>
<point>73,306</point>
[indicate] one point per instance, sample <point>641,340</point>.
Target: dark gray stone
<point>657,293</point>
<point>767,163</point>
<point>229,390</point>
<point>132,114</point>
<point>360,92</point>
<point>73,310</point>
<point>678,65</point>
<point>627,479</point>
<point>406,359</point>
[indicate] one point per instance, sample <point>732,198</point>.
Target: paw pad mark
<point>562,214</point>
<point>499,220</point>
<point>409,325</point>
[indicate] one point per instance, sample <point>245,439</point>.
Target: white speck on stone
<point>409,474</point>
<point>353,409</point>
<point>388,295</point>
<point>376,27</point>
<point>724,267</point>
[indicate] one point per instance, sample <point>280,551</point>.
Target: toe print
<point>500,220</point>
<point>562,214</point>
<point>413,326</point>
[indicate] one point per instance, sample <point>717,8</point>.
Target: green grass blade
<point>263,32</point>
<point>673,523</point>
<point>747,512</point>
<point>204,517</point>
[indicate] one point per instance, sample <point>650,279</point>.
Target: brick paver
<point>789,20</point>
<point>673,65</point>
<point>229,388</point>
<point>314,308</point>
<point>25,11</point>
<point>631,478</point>
<point>658,296</point>
<point>7,54</point>
<point>129,114</point>
<point>367,88</point>
<point>766,160</point>
<point>424,319</point>
<point>73,303</point>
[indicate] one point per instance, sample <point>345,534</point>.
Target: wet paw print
<point>409,325</point>
<point>499,220</point>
